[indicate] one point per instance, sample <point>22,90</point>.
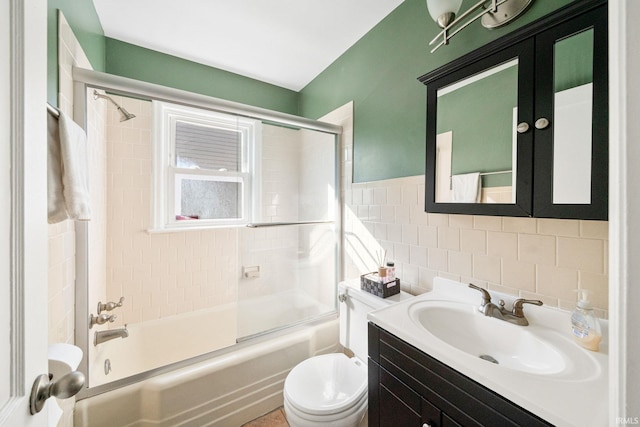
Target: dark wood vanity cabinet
<point>410,388</point>
<point>529,113</point>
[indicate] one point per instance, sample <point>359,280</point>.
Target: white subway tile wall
<point>535,258</point>
<point>159,274</point>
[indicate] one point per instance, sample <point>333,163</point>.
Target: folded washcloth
<point>68,186</point>
<point>467,188</point>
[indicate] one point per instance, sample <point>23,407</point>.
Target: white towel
<point>68,171</point>
<point>57,211</point>
<point>467,188</point>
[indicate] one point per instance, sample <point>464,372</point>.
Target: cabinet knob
<point>426,425</point>
<point>522,127</point>
<point>542,123</point>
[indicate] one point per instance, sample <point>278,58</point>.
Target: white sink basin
<point>507,345</point>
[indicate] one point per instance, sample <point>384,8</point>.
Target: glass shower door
<point>288,255</point>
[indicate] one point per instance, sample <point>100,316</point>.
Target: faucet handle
<point>101,319</point>
<point>517,305</point>
<point>109,305</point>
<point>486,296</point>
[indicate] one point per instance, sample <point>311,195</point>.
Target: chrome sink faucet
<point>515,316</point>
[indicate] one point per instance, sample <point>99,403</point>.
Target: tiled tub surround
<point>545,259</point>
<point>159,274</point>
<point>163,274</point>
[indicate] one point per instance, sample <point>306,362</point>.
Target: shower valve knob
<point>101,319</point>
<point>110,305</point>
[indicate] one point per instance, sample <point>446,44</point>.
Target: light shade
<point>437,8</point>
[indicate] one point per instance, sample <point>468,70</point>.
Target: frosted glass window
<point>209,199</point>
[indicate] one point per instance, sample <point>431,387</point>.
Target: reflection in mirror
<point>476,138</point>
<point>572,129</point>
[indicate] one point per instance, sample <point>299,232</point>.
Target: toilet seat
<point>327,384</point>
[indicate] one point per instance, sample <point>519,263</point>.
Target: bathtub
<point>232,386</point>
<point>161,342</point>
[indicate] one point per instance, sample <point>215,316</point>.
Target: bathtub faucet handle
<point>110,305</point>
<point>101,319</point>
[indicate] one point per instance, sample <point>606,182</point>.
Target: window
<point>205,168</point>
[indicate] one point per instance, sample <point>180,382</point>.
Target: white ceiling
<point>283,42</point>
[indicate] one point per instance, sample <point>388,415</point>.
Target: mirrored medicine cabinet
<point>519,127</point>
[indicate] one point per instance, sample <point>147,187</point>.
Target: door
<point>23,227</point>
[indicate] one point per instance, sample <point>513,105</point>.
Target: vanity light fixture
<point>494,14</point>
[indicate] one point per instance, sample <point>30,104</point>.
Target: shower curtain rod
<point>140,89</point>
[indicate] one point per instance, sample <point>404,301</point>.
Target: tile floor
<point>272,419</point>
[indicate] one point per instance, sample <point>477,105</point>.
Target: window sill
<point>192,228</point>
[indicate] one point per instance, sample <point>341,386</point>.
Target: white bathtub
<point>227,390</point>
<point>232,387</point>
<point>161,342</point>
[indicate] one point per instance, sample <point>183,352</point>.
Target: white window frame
<point>167,177</point>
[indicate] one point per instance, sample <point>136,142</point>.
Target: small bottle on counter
<point>391,271</point>
<point>585,324</point>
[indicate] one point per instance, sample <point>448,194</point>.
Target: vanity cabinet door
<point>399,405</point>
<point>571,119</point>
<point>431,415</point>
<point>448,422</point>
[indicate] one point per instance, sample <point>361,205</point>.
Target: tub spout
<point>101,336</point>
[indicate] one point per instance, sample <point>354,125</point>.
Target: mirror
<point>476,143</point>
<point>572,129</point>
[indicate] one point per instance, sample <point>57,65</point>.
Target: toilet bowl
<point>331,389</point>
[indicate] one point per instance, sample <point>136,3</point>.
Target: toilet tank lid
<point>352,288</point>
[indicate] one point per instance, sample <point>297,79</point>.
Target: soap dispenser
<point>585,324</point>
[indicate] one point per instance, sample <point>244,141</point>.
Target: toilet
<point>331,389</point>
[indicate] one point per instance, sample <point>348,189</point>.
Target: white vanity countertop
<point>577,399</point>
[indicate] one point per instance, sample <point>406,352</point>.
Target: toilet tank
<point>353,315</point>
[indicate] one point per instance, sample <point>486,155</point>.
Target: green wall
<point>124,59</point>
<point>379,74</point>
<point>82,17</point>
